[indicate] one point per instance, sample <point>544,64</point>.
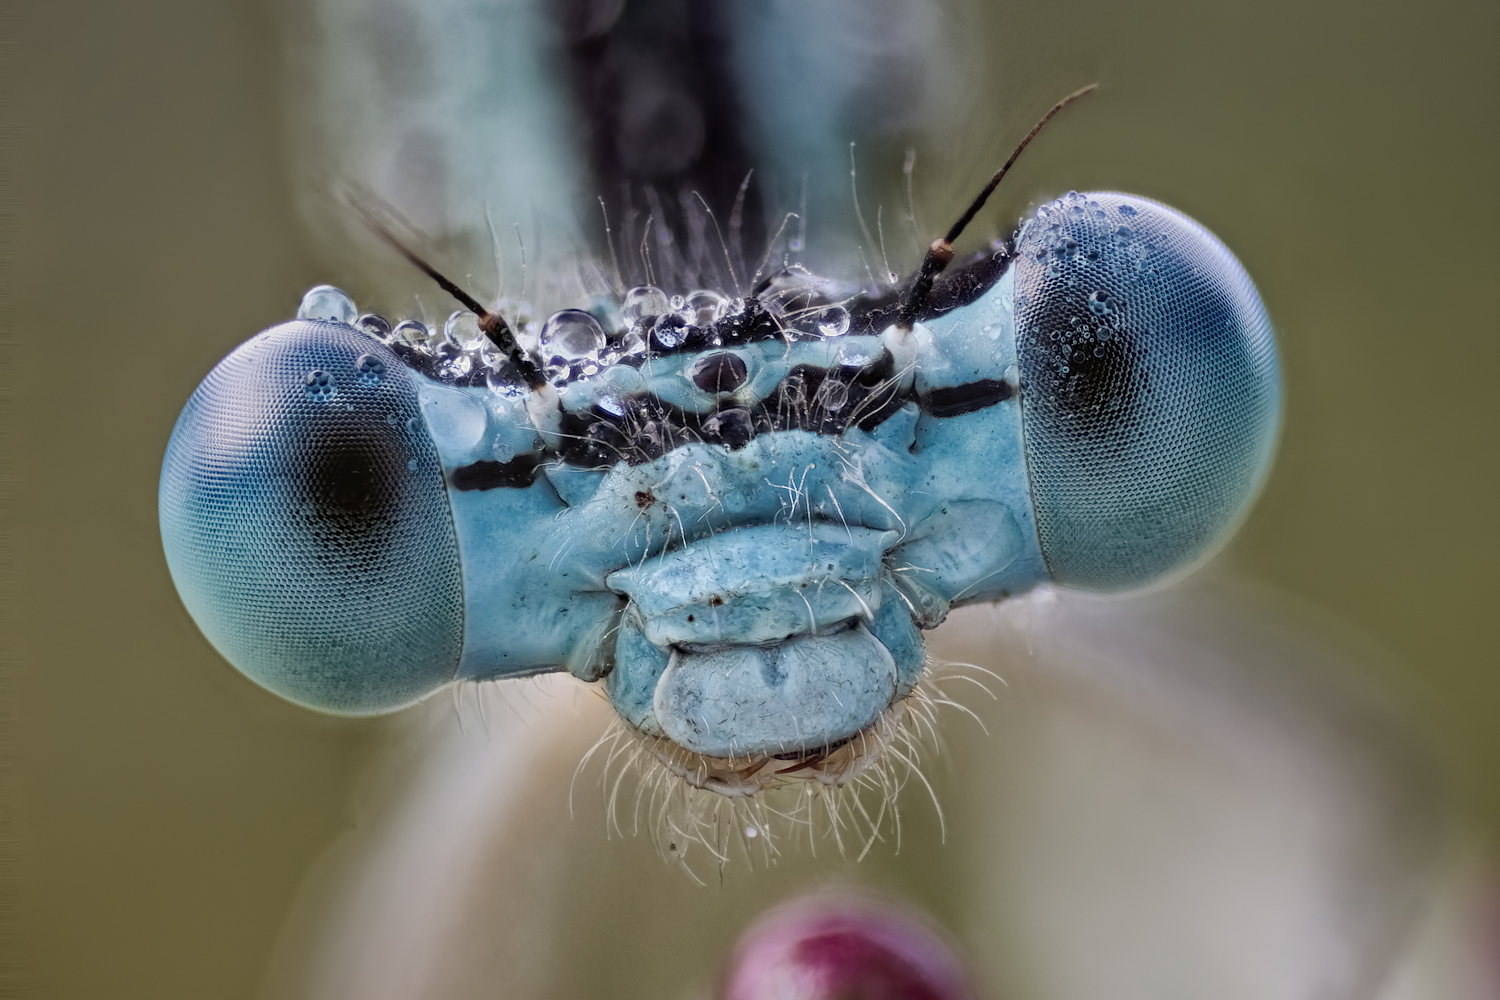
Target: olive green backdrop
<point>166,809</point>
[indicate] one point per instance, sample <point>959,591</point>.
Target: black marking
<point>719,372</point>
<point>955,401</point>
<point>516,474</point>
<point>819,400</point>
<point>644,499</point>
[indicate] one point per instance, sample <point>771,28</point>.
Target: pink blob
<point>843,947</point>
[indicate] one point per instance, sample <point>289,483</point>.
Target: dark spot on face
<point>691,618</point>
<point>716,601</point>
<point>516,474</point>
<point>719,372</point>
<point>644,499</point>
<point>954,401</point>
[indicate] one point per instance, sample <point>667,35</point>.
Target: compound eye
<point>306,523</point>
<point>1150,389</point>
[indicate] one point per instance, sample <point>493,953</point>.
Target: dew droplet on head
<point>643,303</point>
<point>833,321</point>
<point>327,303</point>
<point>375,326</point>
<point>462,330</point>
<point>410,333</point>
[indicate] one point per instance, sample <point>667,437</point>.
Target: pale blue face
<point>738,512</point>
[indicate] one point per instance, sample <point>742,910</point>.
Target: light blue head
<point>738,513</point>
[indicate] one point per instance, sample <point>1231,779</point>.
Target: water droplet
<point>456,366</point>
<point>412,465</point>
<point>502,450</point>
<point>669,331</point>
<point>833,321</point>
<point>702,308</point>
<point>632,344</point>
<point>462,329</point>
<point>1127,210</point>
<point>1075,212</point>
<point>505,380</point>
<point>571,335</point>
<point>751,831</point>
<point>1068,247</point>
<point>610,402</point>
<point>1101,303</point>
<point>371,369</point>
<point>327,303</point>
<point>375,326</point>
<point>794,244</point>
<point>391,419</point>
<point>411,334</point>
<point>859,355</point>
<point>1123,235</point>
<point>643,303</point>
<point>832,395</point>
<point>319,385</point>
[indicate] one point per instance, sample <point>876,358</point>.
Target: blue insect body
<point>739,514</point>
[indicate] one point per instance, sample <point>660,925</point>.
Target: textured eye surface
<point>306,524</point>
<point>1150,387</point>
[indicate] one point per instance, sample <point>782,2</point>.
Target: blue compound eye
<point>306,523</point>
<point>1150,390</point>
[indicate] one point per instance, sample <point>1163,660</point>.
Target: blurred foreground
<point>1183,794</point>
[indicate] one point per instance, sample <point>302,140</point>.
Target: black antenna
<point>491,323</point>
<point>940,253</point>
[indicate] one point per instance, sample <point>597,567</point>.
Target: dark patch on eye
<point>691,618</point>
<point>719,372</point>
<point>517,474</point>
<point>954,401</point>
<point>716,601</point>
<point>353,474</point>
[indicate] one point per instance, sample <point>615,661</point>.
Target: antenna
<point>940,253</point>
<point>491,323</point>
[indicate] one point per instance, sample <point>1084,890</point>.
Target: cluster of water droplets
<point>579,343</point>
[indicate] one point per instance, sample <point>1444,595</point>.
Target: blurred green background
<point>167,809</point>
